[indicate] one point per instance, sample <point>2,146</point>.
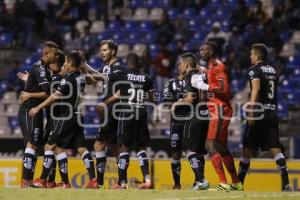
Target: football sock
<point>63,167</point>
<point>192,157</point>
<point>52,173</point>
<point>281,164</point>
<point>201,162</point>
<point>144,164</point>
<point>216,160</point>
<point>176,169</point>
<point>229,164</point>
<point>243,168</point>
<point>123,163</point>
<point>89,164</point>
<point>48,164</point>
<point>29,161</point>
<point>100,166</point>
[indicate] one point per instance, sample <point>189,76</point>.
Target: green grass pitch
<point>134,194</point>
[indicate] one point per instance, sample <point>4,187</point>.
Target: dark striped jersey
<point>268,84</point>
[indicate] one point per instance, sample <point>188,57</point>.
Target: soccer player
<point>220,111</point>
<point>32,127</point>
<point>196,120</point>
<point>107,134</point>
<point>133,133</point>
<point>173,91</point>
<point>262,126</point>
<point>56,78</point>
<point>66,129</point>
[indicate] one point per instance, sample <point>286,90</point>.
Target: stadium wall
<point>263,176</point>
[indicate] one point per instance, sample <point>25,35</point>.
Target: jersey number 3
<point>271,92</point>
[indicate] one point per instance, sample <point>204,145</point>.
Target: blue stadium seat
<point>119,37</point>
<point>293,98</point>
<point>194,24</point>
<point>114,26</point>
<point>130,26</point>
<point>5,39</point>
<point>145,26</point>
<point>200,36</point>
<point>293,62</point>
<point>173,13</point>
<point>104,36</point>
<point>135,4</point>
<point>154,49</point>
<point>165,4</point>
<point>152,3</point>
<point>149,37</point>
<point>189,13</point>
<point>13,122</point>
<point>282,111</point>
<point>95,62</point>
<point>133,38</point>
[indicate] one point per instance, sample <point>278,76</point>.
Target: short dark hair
<point>60,59</point>
<point>213,46</point>
<point>261,50</point>
<point>111,45</point>
<point>133,59</point>
<point>190,58</point>
<point>75,58</point>
<point>51,44</point>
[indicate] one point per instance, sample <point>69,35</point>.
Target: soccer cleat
<point>145,186</point>
<point>101,187</point>
<point>176,187</point>
<point>201,185</point>
<point>223,187</point>
<point>288,188</point>
<point>92,184</point>
<point>51,184</point>
<point>40,183</point>
<point>119,187</point>
<point>63,186</point>
<point>237,186</point>
<point>27,184</point>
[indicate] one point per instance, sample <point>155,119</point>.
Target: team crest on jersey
<point>174,86</point>
<point>251,73</point>
<point>106,69</point>
<point>63,82</point>
<point>42,71</point>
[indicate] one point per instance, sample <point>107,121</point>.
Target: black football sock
<point>192,157</point>
<point>100,166</point>
<point>144,164</point>
<point>63,167</point>
<point>281,164</point>
<point>48,164</point>
<point>176,169</point>
<point>29,160</point>
<point>51,177</point>
<point>201,162</point>
<point>123,163</point>
<point>243,168</point>
<point>89,164</point>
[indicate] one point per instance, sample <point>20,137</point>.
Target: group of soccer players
<point>199,99</point>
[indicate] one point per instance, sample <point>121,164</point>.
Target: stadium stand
<point>145,26</point>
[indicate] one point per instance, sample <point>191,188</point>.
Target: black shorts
<point>263,134</point>
<point>176,135</point>
<point>67,134</point>
<point>108,133</point>
<point>133,133</point>
<point>194,135</point>
<point>32,128</point>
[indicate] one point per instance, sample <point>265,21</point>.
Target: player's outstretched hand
<point>24,96</point>
<point>33,111</point>
<point>23,76</point>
